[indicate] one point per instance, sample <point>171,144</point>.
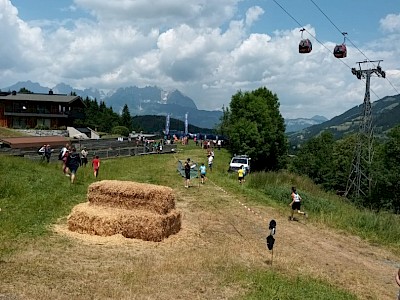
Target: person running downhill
<point>295,204</point>
<point>187,173</point>
<point>73,163</point>
<point>96,165</point>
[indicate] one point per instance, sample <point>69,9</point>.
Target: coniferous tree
<point>126,119</point>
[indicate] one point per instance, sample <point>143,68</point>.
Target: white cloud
<point>253,14</point>
<point>199,47</point>
<point>391,23</point>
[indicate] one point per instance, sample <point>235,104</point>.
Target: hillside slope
<point>385,115</point>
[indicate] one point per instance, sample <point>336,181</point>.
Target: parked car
<point>238,161</point>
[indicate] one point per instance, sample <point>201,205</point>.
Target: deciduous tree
<point>256,128</point>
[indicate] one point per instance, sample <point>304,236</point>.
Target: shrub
<point>120,130</point>
<point>42,127</point>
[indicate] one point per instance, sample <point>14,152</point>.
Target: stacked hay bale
<point>135,210</point>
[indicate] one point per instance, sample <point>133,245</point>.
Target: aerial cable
<point>298,23</point>
<point>351,42</point>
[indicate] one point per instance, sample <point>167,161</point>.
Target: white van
<point>240,160</point>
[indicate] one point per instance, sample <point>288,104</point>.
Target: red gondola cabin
<point>305,46</point>
<point>340,51</point>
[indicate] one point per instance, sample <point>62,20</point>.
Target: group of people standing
<point>72,160</point>
<point>45,151</point>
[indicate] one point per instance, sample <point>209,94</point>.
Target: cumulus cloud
<point>391,23</point>
<point>203,48</point>
<point>253,14</point>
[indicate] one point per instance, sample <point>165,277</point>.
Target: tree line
<point>102,118</point>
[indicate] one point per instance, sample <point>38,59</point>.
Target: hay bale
<point>107,221</point>
<point>132,195</point>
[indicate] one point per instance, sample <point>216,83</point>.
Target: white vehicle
<point>238,161</point>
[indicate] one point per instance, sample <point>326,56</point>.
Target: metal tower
<point>359,182</point>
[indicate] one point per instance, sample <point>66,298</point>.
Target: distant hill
<point>293,125</point>
<point>385,115</point>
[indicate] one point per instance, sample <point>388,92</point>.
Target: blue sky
<point>207,49</point>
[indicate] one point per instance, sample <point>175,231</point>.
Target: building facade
<point>46,111</point>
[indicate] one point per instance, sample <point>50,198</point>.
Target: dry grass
<point>196,262</point>
<point>107,221</point>
<point>135,210</point>
<point>132,195</point>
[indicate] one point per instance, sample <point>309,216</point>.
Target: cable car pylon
<point>359,182</point>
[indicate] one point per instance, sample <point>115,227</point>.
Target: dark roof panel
<point>40,97</point>
<point>34,141</point>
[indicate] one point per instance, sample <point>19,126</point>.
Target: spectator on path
<point>41,152</point>
<point>219,144</point>
<point>96,165</point>
<point>187,173</point>
<point>73,163</point>
<point>203,173</point>
<point>244,172</point>
<point>47,152</point>
<point>295,204</point>
<point>84,155</point>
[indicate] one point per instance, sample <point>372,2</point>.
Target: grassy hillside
<point>384,112</point>
<point>220,259</point>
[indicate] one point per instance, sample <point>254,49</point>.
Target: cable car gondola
<point>340,51</point>
<point>305,45</point>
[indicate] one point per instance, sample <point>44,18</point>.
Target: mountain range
<point>152,100</point>
<point>385,114</point>
<point>293,125</point>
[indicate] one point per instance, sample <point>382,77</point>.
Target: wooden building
<point>52,111</point>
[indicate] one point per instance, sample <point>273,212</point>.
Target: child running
<point>203,173</point>
<point>241,174</point>
<point>295,204</point>
<point>96,165</point>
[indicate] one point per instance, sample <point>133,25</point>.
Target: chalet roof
<point>40,97</point>
<point>34,141</point>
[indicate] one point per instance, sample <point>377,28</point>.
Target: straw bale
<point>132,195</point>
<point>139,224</point>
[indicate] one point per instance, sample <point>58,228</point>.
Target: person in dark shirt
<point>187,173</point>
<point>73,163</point>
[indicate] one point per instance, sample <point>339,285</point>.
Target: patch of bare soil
<point>217,232</point>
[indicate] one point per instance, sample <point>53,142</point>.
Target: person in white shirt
<point>295,204</point>
<point>84,156</point>
<point>210,162</point>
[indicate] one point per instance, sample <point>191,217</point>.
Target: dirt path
<point>344,260</point>
<point>218,231</point>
